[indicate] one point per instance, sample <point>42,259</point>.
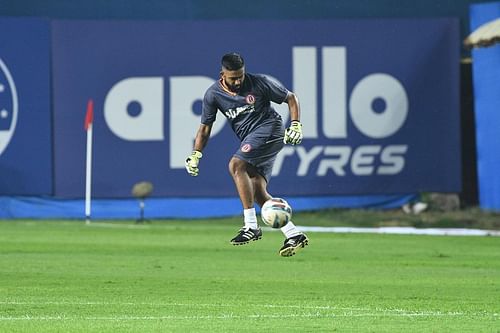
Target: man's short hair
<point>232,61</point>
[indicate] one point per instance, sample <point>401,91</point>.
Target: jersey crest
<point>246,148</point>
<point>250,99</point>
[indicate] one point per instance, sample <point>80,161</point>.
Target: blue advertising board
<point>379,104</point>
<point>486,70</point>
<point>25,117</point>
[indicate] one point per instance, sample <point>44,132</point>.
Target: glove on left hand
<point>293,134</point>
<point>192,163</point>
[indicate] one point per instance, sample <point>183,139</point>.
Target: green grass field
<point>184,276</point>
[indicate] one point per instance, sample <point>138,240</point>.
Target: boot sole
<point>292,250</point>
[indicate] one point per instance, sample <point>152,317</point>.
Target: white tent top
<point>485,35</point>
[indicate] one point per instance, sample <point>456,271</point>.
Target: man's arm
<point>293,134</point>
<point>200,142</point>
<point>202,137</point>
<point>293,106</point>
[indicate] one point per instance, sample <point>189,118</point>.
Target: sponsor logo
<point>233,113</point>
<point>8,106</point>
<point>377,106</point>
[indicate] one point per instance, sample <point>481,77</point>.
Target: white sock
<point>290,230</point>
<point>250,218</point>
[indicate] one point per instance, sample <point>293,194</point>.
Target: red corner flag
<point>89,117</point>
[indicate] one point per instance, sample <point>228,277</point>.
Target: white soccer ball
<point>276,212</point>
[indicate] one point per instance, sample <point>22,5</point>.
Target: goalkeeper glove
<point>293,134</point>
<point>192,163</point>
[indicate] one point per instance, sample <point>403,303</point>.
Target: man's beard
<point>234,88</point>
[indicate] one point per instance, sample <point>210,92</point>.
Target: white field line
<point>325,311</point>
<point>233,316</point>
<point>117,225</point>
<point>403,231</point>
<point>195,305</point>
<point>225,316</point>
<point>381,230</point>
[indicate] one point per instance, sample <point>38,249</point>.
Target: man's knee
<point>237,166</point>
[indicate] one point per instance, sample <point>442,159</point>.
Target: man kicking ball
<point>245,100</point>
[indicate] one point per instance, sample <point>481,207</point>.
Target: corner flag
<point>89,118</point>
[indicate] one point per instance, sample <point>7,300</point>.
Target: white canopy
<point>485,35</point>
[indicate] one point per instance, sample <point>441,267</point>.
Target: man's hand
<point>192,162</point>
<point>293,134</point>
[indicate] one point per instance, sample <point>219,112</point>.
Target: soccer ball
<point>276,212</point>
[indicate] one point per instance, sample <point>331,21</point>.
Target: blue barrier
<point>182,208</point>
<point>486,75</point>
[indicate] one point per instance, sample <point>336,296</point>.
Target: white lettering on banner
<point>133,109</point>
<point>369,89</point>
<point>184,123</point>
<point>392,160</point>
<point>306,158</point>
<point>334,92</point>
<point>305,86</point>
<point>336,164</point>
<point>364,160</point>
<point>334,96</point>
<point>377,106</point>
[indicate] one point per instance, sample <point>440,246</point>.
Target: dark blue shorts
<point>260,147</point>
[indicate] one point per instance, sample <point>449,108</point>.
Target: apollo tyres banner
<point>379,104</point>
<point>25,119</point>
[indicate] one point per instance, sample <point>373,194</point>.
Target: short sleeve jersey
<point>248,109</point>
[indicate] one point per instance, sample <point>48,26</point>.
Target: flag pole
<point>89,118</point>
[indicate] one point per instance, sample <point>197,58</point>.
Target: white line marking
<point>323,311</point>
<point>403,231</point>
<point>381,230</point>
<point>117,225</point>
<point>200,305</point>
<point>232,316</point>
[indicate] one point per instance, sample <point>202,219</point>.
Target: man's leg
<point>239,170</point>
<point>295,239</point>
